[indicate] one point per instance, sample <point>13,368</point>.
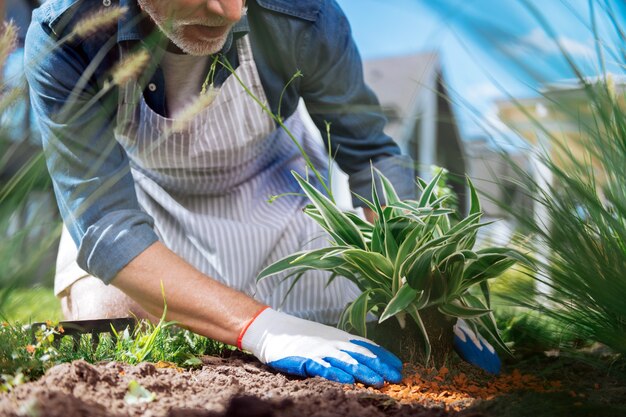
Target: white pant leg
<point>85,297</point>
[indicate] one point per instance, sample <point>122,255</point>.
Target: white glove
<point>301,347</point>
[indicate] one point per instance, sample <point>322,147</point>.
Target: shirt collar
<point>134,25</point>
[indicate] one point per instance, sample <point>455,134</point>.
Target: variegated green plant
<point>411,258</point>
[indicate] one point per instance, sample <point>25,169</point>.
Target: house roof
<point>413,95</point>
<point>398,81</point>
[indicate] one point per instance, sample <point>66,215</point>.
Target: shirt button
<point>152,87</point>
<point>106,3</point>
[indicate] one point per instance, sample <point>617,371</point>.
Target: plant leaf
<point>419,272</point>
<point>324,258</point>
<point>399,227</point>
<point>422,299</point>
<point>410,207</point>
<point>407,247</point>
<point>377,243</point>
<point>421,184</point>
<point>439,201</point>
<point>358,313</point>
<point>474,201</point>
<point>365,201</point>
<point>471,219</point>
<point>484,288</point>
<point>311,211</point>
<point>469,254</point>
<point>340,227</point>
<point>363,225</point>
<point>510,253</point>
<point>477,271</point>
<point>390,245</point>
<point>428,192</point>
<point>487,322</point>
<point>375,199</point>
<point>373,266</point>
<point>456,309</point>
<point>391,196</point>
<point>405,296</point>
<point>297,275</point>
<point>453,267</point>
<point>446,250</point>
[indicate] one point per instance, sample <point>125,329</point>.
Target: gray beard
<point>174,31</point>
<point>203,48</point>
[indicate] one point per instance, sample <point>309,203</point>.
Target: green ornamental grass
<point>585,243</point>
<point>581,234</point>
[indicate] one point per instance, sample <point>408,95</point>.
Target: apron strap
<point>244,49</point>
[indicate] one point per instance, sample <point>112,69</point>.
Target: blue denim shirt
<point>90,170</point>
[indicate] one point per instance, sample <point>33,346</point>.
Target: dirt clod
<point>144,369</point>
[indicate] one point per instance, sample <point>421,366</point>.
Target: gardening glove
<point>305,348</point>
<point>473,348</point>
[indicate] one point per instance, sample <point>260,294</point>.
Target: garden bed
<point>239,385</point>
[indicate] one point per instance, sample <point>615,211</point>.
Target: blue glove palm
<point>305,348</point>
<point>473,348</point>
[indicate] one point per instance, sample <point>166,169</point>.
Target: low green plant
<point>137,394</point>
<point>161,342</point>
<point>412,258</point>
<point>26,353</point>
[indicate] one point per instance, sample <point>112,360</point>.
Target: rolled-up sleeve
<point>90,171</point>
<point>335,92</point>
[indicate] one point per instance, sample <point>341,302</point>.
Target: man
<point>153,199</point>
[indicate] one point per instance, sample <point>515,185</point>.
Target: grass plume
<point>98,21</point>
<point>8,40</point>
<point>129,67</point>
<point>192,109</point>
<point>10,97</point>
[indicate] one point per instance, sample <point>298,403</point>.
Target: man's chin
<point>200,47</point>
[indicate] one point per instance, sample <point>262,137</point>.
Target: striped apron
<point>207,183</point>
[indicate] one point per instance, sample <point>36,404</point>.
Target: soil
<point>239,385</point>
<point>408,343</point>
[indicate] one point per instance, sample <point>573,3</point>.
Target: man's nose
<point>228,9</point>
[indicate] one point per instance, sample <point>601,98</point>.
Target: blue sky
<point>489,48</point>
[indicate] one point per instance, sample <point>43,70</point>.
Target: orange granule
<point>164,364</point>
<point>451,388</point>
